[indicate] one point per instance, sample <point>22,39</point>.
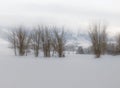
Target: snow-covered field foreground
<point>74,71</point>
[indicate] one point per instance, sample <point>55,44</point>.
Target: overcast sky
<point>68,13</point>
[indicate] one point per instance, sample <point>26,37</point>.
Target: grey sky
<point>69,13</point>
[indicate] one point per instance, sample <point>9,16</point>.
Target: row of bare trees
<point>52,41</point>
<point>43,38</point>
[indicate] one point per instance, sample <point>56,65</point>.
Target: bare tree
<point>46,40</point>
<point>20,40</point>
<point>36,39</point>
<point>53,42</point>
<point>59,41</point>
<point>111,48</point>
<point>103,39</point>
<point>118,44</point>
<point>27,43</point>
<point>80,50</point>
<point>21,35</point>
<point>98,38</point>
<point>12,39</point>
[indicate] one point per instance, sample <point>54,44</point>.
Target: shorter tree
<point>111,49</point>
<point>118,44</point>
<point>12,39</point>
<point>80,50</point>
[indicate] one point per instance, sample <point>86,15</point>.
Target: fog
<point>73,14</point>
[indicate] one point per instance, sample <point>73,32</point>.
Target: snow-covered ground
<point>73,71</point>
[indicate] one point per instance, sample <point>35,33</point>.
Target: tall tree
<point>36,40</point>
<point>46,40</point>
<point>59,41</point>
<point>20,39</point>
<point>98,38</point>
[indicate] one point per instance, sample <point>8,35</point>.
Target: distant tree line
<point>51,41</point>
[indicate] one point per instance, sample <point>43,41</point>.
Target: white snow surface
<point>73,71</point>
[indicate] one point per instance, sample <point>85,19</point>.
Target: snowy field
<point>74,71</point>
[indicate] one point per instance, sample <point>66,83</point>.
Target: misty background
<point>74,15</point>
